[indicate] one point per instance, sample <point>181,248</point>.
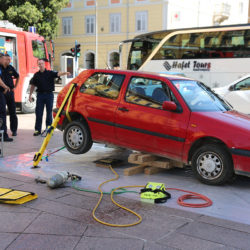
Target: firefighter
<point>3,90</point>
<point>44,81</point>
<point>9,73</point>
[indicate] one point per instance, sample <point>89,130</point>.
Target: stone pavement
<point>61,219</point>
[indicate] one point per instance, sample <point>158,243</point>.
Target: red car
<point>166,115</point>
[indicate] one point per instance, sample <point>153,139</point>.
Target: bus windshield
<point>38,49</point>
<point>199,97</point>
<point>141,48</point>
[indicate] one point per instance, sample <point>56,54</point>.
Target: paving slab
<point>56,225</point>
<point>217,234</point>
<point>43,241</point>
<point>109,243</point>
<point>16,222</point>
<point>62,210</point>
<point>6,239</point>
<point>151,228</point>
<point>156,246</point>
<point>180,241</point>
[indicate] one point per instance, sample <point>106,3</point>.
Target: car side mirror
<point>231,88</point>
<point>168,105</point>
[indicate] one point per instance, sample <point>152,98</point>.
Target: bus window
<point>38,49</point>
<point>225,44</point>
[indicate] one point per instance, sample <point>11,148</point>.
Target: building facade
<point>100,25</point>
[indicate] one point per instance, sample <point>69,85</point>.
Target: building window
<point>90,25</point>
<point>115,23</point>
<point>67,25</point>
<point>141,21</point>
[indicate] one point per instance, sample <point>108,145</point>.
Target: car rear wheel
<point>212,164</point>
<point>77,138</point>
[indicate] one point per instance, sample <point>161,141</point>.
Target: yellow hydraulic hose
<point>117,204</point>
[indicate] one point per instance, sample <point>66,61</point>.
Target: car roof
<point>141,73</point>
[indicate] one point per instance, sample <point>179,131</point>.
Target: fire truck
<point>24,49</point>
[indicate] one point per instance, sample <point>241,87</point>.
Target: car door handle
<point>123,109</point>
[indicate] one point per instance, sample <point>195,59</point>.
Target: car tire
<point>77,138</point>
<point>212,164</point>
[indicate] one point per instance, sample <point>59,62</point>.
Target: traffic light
<point>73,49</point>
<point>78,49</point>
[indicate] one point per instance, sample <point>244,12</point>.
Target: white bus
<point>214,55</point>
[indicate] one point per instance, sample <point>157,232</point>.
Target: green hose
<point>97,192</point>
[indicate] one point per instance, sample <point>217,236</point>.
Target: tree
<point>39,13</point>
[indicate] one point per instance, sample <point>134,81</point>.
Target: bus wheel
<point>212,164</point>
<point>27,106</point>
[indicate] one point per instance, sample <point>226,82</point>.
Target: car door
<point>98,103</point>
<point>141,122</point>
<point>239,96</point>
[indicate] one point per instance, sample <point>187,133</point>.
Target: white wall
<point>199,13</point>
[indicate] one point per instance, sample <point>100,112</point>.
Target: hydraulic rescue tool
<point>155,192</point>
<point>38,156</point>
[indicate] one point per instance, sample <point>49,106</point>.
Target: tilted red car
<point>170,116</point>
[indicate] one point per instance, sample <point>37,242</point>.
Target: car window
<point>104,85</point>
<point>243,85</point>
<point>147,92</point>
<point>199,97</point>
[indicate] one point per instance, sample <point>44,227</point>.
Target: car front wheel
<point>212,164</point>
<point>77,138</point>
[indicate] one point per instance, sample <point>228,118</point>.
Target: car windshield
<point>199,97</point>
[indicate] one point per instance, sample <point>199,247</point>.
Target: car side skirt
<point>241,152</point>
<point>244,173</point>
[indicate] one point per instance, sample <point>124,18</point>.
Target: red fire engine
<point>24,48</point>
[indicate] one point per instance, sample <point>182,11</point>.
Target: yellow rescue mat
<point>13,196</point>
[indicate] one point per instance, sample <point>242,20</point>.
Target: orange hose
<point>192,195</point>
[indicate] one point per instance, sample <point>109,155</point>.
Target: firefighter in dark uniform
<point>3,90</point>
<point>9,73</point>
<point>44,81</point>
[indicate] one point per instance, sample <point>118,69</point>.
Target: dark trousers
<point>3,113</point>
<point>10,101</point>
<point>44,99</point>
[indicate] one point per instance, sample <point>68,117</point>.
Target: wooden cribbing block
<point>134,170</point>
<point>152,170</point>
<point>145,158</point>
<point>176,164</point>
<point>161,164</point>
<point>133,157</point>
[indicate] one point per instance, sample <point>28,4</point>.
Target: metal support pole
<point>96,35</point>
<point>76,60</point>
